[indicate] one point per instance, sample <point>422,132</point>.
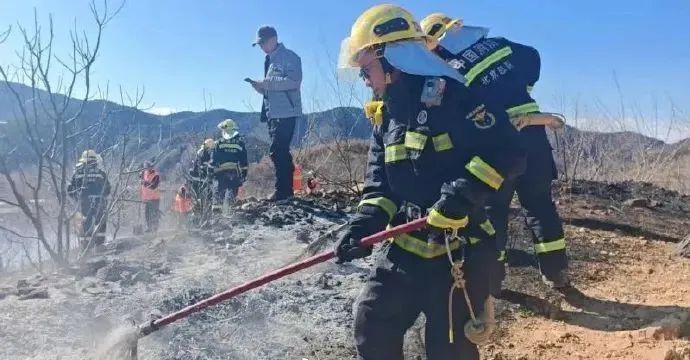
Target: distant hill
<point>152,131</point>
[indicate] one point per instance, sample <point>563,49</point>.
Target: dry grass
<point>338,165</point>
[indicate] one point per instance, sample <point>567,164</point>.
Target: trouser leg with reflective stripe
<point>435,306</point>
<point>387,307</point>
<point>403,285</point>
<point>534,192</point>
<point>94,225</point>
<point>224,185</point>
<point>499,214</point>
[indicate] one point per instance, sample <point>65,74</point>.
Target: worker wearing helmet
<point>201,181</point>
<point>229,162</point>
<point>90,187</point>
<point>436,151</point>
<point>505,72</point>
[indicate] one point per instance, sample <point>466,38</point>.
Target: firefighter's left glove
<point>349,247</point>
<point>447,214</point>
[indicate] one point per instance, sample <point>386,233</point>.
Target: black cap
<point>264,33</point>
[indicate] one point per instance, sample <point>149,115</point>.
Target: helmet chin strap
<point>388,69</point>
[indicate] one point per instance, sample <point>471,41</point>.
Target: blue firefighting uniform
<point>505,72</point>
<point>460,151</point>
<point>90,186</point>
<point>229,163</point>
<point>201,181</point>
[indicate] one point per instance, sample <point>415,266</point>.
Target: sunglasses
<point>364,70</point>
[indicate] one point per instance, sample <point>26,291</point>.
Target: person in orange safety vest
<point>183,205</point>
<point>150,196</point>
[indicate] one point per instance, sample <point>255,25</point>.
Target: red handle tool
<point>274,275</point>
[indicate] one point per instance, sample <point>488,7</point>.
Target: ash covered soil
<point>632,302</point>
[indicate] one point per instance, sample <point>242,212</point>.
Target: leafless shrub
<point>49,121</point>
<point>625,144</point>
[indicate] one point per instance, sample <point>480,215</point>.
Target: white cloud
<point>161,110</point>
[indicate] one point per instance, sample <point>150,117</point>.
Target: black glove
<point>348,247</point>
<point>364,224</point>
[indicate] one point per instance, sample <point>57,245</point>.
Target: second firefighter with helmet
<point>506,72</point>
<point>229,163</point>
<point>439,151</point>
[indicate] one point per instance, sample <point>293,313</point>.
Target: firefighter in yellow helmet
<point>505,72</point>
<point>436,151</point>
<point>229,163</point>
<point>90,186</point>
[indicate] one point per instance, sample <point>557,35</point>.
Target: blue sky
<point>179,49</point>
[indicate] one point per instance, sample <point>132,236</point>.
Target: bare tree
<point>47,120</point>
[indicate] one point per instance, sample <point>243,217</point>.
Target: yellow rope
<point>458,283</point>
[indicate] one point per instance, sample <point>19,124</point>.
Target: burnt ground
<point>621,239</point>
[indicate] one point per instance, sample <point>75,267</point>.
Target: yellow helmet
<point>379,25</point>
<point>90,157</point>
<point>437,24</point>
<point>227,125</point>
<point>87,155</point>
<point>209,143</point>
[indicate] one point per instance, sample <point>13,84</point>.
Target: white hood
<point>228,136</point>
<point>413,57</point>
<point>458,39</point>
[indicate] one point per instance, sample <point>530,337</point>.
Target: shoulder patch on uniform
<point>482,118</point>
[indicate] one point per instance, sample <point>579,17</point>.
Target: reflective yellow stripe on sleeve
<point>395,153</point>
<point>422,248</point>
<point>442,142</point>
<point>439,220</point>
<point>387,205</point>
<point>481,66</point>
<point>415,140</point>
<point>501,255</point>
<point>528,108</point>
<point>541,248</point>
<point>488,227</point>
<point>484,172</point>
<point>230,146</point>
<point>228,166</point>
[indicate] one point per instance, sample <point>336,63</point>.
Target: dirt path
<point>638,285</point>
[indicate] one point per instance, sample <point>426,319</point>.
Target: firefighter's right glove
<point>446,214</point>
<point>349,247</point>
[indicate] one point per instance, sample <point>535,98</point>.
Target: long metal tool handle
<point>276,274</point>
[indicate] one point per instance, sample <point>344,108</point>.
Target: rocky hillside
<point>314,128</point>
<point>632,299</point>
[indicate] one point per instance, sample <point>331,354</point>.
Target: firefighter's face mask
<point>371,71</point>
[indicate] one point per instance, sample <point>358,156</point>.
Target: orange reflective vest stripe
<point>148,193</point>
<point>297,178</point>
<point>183,204</point>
